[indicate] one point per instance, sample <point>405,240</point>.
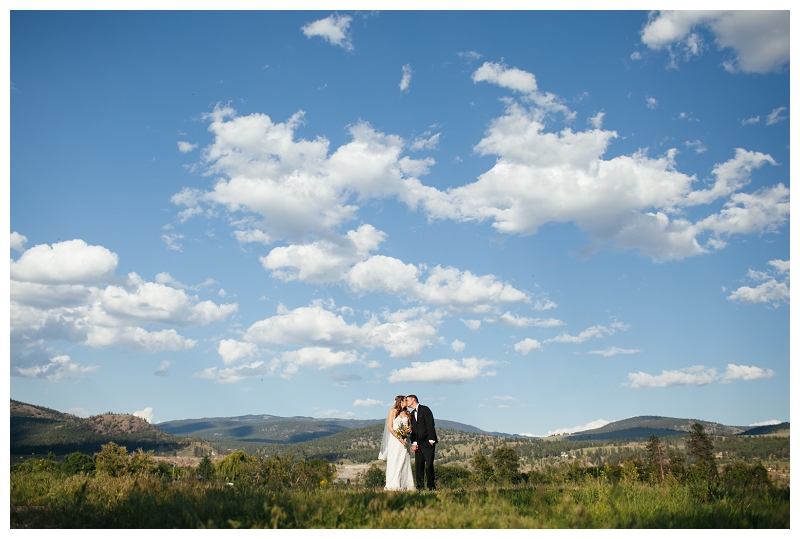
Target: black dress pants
<point>423,462</point>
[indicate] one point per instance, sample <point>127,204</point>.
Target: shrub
<point>741,476</point>
<point>142,463</point>
<point>77,463</point>
<point>452,477</point>
<point>111,460</point>
<point>238,465</point>
<point>206,470</point>
<point>375,477</point>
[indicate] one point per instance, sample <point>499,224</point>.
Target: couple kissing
<point>409,428</point>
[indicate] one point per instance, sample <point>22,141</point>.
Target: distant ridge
<point>765,429</point>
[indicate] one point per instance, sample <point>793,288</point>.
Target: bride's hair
<point>398,403</point>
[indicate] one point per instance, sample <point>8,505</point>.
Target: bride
<point>394,450</point>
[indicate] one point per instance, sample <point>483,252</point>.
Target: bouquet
<point>402,431</point>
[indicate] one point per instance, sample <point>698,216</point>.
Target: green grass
<point>47,500</point>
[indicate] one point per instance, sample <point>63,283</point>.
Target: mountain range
<point>36,429</point>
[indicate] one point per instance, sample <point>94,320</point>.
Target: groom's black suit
<point>422,431</point>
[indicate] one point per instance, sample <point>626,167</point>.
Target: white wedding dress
<point>398,461</point>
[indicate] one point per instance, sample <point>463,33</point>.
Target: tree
<point>484,471</point>
<point>112,459</point>
<point>206,470</point>
<point>701,448</point>
<point>506,465</point>
<point>657,456</point>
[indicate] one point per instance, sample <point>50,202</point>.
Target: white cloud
<point>65,262</point>
<point>651,102</point>
<point>256,369</point>
<point>252,236</point>
<point>775,116</point>
<point>457,345</point>
<point>404,334</point>
<point>698,146</point>
<point>544,305</point>
<point>333,29</point>
<point>316,357</point>
<point>146,414</point>
<point>163,369</point>
<point>528,345</point>
<point>474,325</point>
<point>80,412</point>
<point>499,398</point>
<point>470,55</point>
<point>55,369</point>
<point>18,241</point>
<point>232,350</point>
<point>765,423</point>
<point>367,403</point>
<point>323,261</point>
<point>405,82</point>
<point>172,241</point>
<point>613,351</point>
<point>594,332</point>
<point>753,120</point>
<point>445,371</point>
<point>697,375</point>
<point>137,338</point>
<point>759,39</point>
<point>636,55</point>
<point>422,143</point>
<point>769,291</point>
<point>453,289</point>
<point>596,121</point>
<point>508,319</point>
<point>743,372</point>
<point>579,428</point>
<point>185,147</point>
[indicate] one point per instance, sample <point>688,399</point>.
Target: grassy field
<point>248,492</point>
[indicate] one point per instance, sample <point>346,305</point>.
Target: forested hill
<point>645,426</point>
<point>270,429</point>
<point>36,429</point>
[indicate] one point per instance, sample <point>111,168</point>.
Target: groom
<point>423,440</point>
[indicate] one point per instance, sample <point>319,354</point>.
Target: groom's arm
<point>431,426</point>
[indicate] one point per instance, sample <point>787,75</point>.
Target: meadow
<point>120,490</point>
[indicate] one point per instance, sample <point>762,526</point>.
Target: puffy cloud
<point>698,146</point>
<point>579,428</point>
<point>367,403</point>
<point>334,29</point>
<point>232,350</point>
<point>404,334</point>
<point>316,357</point>
<point>294,185</point>
<point>696,375</point>
<point>770,291</point>
<point>759,39</point>
<point>457,345</point>
<point>594,332</point>
<point>232,375</point>
<point>446,371</point>
<point>18,241</point>
<point>252,236</point>
<point>72,261</point>
<point>508,319</point>
<point>613,351</point>
<point>765,423</point>
<point>528,345</point>
<point>730,176</point>
<point>323,261</point>
<point>171,240</point>
<point>651,102</point>
<point>451,288</point>
<point>405,82</point>
<point>775,116</point>
<point>56,369</point>
<point>185,147</point>
<point>746,213</point>
<point>743,372</point>
<point>76,306</point>
<point>146,414</point>
<point>422,143</point>
<point>474,325</point>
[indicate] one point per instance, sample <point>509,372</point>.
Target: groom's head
<point>412,401</point>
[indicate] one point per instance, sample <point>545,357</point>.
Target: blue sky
<point>534,221</point>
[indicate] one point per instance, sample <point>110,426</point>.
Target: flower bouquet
<point>402,431</point>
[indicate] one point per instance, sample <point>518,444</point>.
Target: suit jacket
<point>423,427</point>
